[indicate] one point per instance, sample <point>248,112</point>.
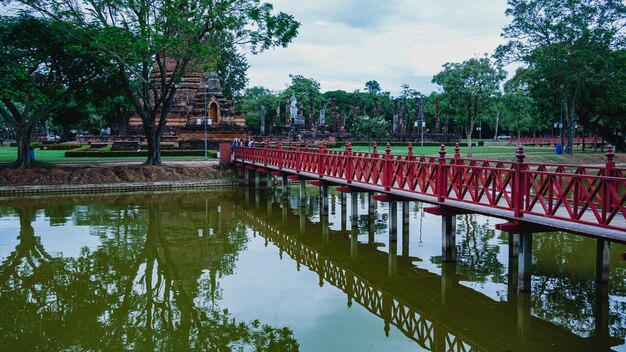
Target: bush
<point>60,146</point>
<point>393,144</point>
<point>481,143</point>
<point>33,145</point>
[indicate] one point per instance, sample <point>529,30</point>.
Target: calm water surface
<point>246,271</point>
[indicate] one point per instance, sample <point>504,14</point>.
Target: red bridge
<point>534,197</point>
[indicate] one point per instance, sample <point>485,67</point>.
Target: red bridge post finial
<point>409,155</point>
<point>610,162</point>
<point>457,153</point>
<point>374,149</point>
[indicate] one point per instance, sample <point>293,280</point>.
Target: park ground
<point>53,168</point>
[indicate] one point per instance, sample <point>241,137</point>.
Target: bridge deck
<point>585,200</point>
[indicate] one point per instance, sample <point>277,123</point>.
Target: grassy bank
<point>9,155</point>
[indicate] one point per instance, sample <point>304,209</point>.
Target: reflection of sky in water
<point>9,229</point>
<point>67,240</point>
<point>273,291</point>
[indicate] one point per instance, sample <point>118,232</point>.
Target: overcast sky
<point>345,43</point>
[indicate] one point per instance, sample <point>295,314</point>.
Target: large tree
<point>469,85</point>
<point>561,40</point>
<point>42,62</point>
<point>155,42</point>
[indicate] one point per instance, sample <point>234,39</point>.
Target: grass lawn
<point>9,155</point>
<point>483,151</point>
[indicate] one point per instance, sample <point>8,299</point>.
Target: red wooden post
<point>442,173</point>
<point>387,168</point>
<point>280,155</point>
<point>374,150</point>
<point>298,157</point>
<point>409,155</point>
<point>349,162</point>
<point>457,154</point>
<point>607,185</point>
<point>519,185</point>
<point>321,161</point>
<point>266,152</point>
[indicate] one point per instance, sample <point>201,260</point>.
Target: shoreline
<point>116,188</point>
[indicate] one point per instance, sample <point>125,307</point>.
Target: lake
<point>244,270</point>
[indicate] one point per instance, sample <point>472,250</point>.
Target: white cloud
<point>345,44</point>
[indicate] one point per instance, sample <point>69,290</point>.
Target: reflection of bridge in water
<point>436,311</point>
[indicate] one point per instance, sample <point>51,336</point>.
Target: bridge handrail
<point>587,195</point>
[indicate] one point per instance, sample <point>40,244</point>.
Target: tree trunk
<point>154,146</point>
<point>495,136</point>
<point>23,138</point>
<point>469,138</point>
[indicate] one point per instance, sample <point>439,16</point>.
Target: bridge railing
<point>591,195</point>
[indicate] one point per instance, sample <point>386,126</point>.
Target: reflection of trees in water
<point>564,290</point>
<point>142,289</point>
<point>477,259</point>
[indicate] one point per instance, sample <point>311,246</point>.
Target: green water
<point>245,271</point>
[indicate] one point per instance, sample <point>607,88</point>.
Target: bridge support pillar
<point>371,218</point>
<point>257,180</point>
<point>393,221</point>
<point>325,228</point>
<point>392,262</point>
<point>269,206</point>
<point>448,275</point>
<point>285,209</point>
<point>354,243</point>
<point>601,311</point>
<point>302,220</point>
<point>270,182</point>
<point>285,187</point>
<point>246,173</point>
<point>344,211</point>
<point>257,199</point>
<point>302,193</point>
<point>513,245</point>
<point>405,229</point>
<point>354,208</point>
<point>524,272</point>
<point>323,200</point>
<point>448,237</point>
<point>603,257</point>
<point>523,317</point>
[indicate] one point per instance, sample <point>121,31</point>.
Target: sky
<point>344,43</point>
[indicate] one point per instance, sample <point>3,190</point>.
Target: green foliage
<point>469,86</point>
<point>155,42</point>
<point>251,102</point>
<point>372,87</point>
<point>567,45</point>
<point>371,127</point>
<point>43,62</point>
